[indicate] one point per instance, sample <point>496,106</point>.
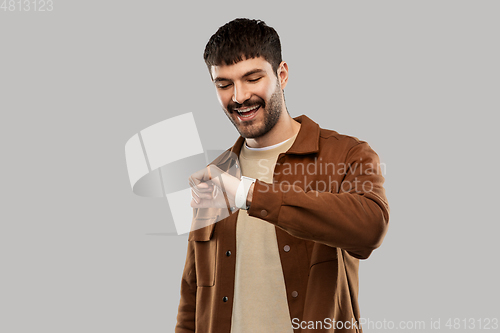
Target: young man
<point>310,206</point>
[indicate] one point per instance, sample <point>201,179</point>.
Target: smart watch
<point>240,199</point>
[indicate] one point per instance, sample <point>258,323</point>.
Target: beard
<point>271,111</point>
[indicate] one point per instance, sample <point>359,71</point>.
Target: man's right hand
<point>208,186</point>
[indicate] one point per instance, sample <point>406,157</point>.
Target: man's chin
<point>249,132</point>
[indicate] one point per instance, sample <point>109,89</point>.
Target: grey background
<point>418,80</point>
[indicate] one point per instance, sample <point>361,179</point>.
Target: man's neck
<point>285,128</point>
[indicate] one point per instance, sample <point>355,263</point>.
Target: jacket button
<point>225,299</point>
<point>286,248</point>
<point>228,253</point>
<point>263,213</point>
<point>295,294</point>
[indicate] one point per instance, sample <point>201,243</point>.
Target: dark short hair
<point>243,38</point>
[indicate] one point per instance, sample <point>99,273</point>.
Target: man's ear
<point>282,74</point>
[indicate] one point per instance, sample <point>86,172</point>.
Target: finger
<point>195,196</point>
<point>204,187</point>
<point>206,195</point>
<point>202,195</point>
<point>209,173</point>
<point>200,175</point>
<point>200,186</point>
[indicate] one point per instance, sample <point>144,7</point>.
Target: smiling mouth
<point>247,112</point>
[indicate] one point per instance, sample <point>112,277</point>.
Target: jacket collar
<point>306,142</point>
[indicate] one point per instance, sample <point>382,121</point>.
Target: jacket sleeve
<point>354,218</point>
<point>187,305</point>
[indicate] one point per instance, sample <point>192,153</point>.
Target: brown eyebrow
<point>253,71</point>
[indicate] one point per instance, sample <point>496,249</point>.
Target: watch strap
<point>240,199</point>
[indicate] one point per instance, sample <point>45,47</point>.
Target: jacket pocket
<point>205,252</point>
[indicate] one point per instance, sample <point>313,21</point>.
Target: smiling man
<point>308,204</point>
<point>251,93</point>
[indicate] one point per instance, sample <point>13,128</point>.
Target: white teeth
<point>240,111</point>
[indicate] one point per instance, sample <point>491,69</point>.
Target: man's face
<point>250,95</point>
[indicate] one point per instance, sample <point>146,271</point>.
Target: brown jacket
<point>329,209</point>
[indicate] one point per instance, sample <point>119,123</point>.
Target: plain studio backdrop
<point>417,80</point>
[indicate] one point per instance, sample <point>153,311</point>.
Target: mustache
<point>248,103</point>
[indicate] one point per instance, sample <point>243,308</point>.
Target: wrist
<point>250,195</point>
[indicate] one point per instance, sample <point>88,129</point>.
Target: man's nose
<point>240,94</point>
